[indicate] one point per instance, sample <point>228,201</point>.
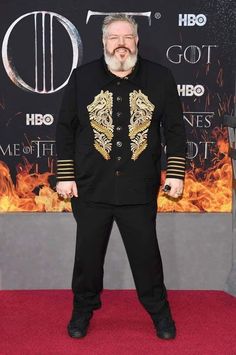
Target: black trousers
<point>137,226</point>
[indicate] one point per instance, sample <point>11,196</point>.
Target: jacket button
<point>118,128</point>
<point>118,173</point>
<point>119,98</point>
<point>118,114</point>
<point>119,158</point>
<point>119,144</point>
<point>118,83</point>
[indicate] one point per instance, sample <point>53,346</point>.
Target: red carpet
<point>34,322</point>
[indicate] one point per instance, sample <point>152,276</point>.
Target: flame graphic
<point>211,194</point>
<point>21,196</point>
<point>205,191</point>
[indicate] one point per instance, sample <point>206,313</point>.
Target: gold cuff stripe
<point>63,169</point>
<point>65,164</point>
<point>178,158</point>
<point>65,177</point>
<point>176,165</point>
<point>173,167</point>
<point>169,174</point>
<point>65,172</point>
<point>65,160</point>
<point>176,162</point>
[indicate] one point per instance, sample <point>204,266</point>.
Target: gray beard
<point>114,64</point>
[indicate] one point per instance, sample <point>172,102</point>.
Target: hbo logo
<point>190,90</point>
<point>37,119</point>
<point>192,20</point>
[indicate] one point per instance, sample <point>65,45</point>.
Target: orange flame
<point>205,191</point>
<point>22,196</point>
<point>208,190</point>
<point>212,193</point>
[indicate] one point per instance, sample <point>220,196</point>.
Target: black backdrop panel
<point>43,40</point>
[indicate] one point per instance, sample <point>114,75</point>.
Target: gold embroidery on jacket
<point>141,110</point>
<point>100,115</point>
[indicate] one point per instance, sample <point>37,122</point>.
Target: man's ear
<point>136,40</point>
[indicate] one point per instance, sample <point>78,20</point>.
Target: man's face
<point>120,44</point>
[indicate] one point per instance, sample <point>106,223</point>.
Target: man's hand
<point>67,189</point>
<point>176,186</point>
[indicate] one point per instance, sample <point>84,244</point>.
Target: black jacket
<point>108,132</point>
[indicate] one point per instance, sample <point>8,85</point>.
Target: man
<point>108,147</point>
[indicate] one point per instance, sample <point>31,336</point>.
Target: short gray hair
<point>119,17</point>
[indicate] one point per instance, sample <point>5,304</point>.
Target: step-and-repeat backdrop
<point>42,41</point>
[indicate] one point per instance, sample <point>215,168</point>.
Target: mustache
<point>121,47</point>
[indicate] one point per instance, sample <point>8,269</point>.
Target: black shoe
<point>78,325</point>
<point>165,328</point>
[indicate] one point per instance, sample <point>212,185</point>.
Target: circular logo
<point>48,119</point>
<point>201,20</point>
<point>198,90</point>
<point>43,24</point>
